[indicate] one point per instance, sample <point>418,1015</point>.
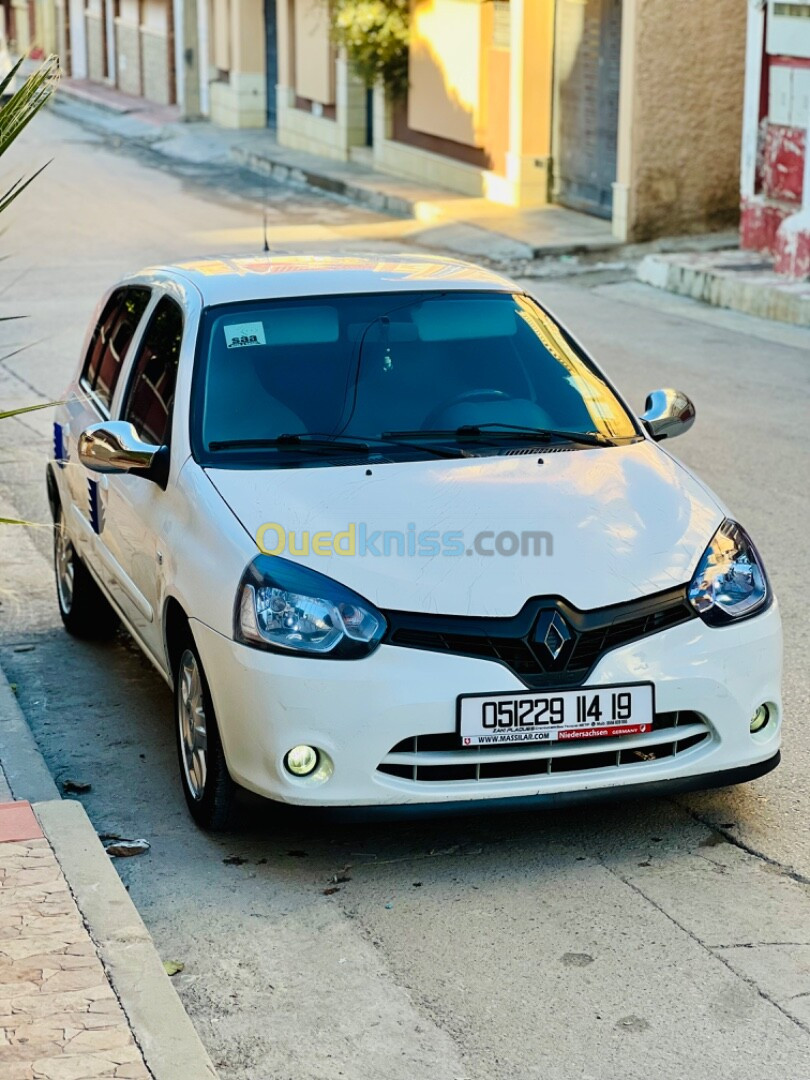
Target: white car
<point>393,537</point>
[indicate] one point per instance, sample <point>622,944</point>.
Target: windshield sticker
<point>239,335</point>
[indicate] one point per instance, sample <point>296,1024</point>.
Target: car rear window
<point>111,340</point>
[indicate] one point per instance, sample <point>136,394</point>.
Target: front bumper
<point>356,712</point>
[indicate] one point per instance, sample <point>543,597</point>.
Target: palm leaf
<point>19,187</point>
<point>7,81</point>
<point>29,524</point>
<point>25,103</point>
<point>28,408</point>
<point>15,115</point>
<point>20,110</point>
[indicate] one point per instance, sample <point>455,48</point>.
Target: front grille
<point>442,758</point>
<point>517,642</point>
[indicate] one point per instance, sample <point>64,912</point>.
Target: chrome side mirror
<point>114,447</point>
<point>668,413</point>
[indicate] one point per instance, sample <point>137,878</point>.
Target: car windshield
<point>406,369</point>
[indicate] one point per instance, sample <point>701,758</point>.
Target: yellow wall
<point>445,70</point>
<point>220,23</point>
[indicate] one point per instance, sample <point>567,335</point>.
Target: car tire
<point>207,784</point>
<point>85,610</point>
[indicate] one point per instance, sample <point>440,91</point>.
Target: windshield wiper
<point>508,431</point>
<point>319,443</point>
<point>298,442</point>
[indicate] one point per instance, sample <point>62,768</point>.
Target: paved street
<point>662,938</point>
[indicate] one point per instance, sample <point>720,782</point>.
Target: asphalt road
<point>651,938</point>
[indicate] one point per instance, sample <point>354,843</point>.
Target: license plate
<point>556,715</point>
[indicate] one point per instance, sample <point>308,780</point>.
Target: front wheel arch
<point>176,633</point>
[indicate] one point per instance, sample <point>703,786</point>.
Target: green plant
<point>20,110</point>
<point>375,35</point>
<point>15,115</point>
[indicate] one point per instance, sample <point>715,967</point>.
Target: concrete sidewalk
<point>59,1016</point>
<point>740,280</point>
<point>83,993</point>
<point>473,227</point>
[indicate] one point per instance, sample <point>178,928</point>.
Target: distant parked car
<point>393,537</point>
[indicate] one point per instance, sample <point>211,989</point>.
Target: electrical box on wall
<point>788,29</point>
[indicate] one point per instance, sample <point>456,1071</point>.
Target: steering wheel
<point>461,399</point>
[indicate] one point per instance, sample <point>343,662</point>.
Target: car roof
<point>223,280</point>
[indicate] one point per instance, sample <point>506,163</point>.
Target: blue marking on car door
<point>59,448</point>
<point>96,509</point>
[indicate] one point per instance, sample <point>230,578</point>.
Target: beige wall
<point>128,55</point>
<point>238,48</point>
<point>155,60</point>
<point>681,115</point>
<point>94,26</point>
<point>221,35</point>
<point>314,55</point>
<point>155,15</point>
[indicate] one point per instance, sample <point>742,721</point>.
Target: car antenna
<point>266,246</point>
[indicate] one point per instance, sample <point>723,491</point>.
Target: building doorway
<point>587,50</point>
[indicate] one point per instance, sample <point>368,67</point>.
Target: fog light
<point>302,760</point>
<point>760,719</point>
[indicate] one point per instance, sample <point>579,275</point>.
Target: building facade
<point>129,45</point>
<point>628,109</point>
<point>775,171</point>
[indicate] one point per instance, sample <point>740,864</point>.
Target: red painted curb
<point>17,822</point>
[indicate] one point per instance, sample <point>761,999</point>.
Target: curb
<point>171,1047</point>
<point>757,293</point>
<point>20,759</point>
<point>284,172</point>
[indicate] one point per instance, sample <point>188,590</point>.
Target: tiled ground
<point>59,1018</point>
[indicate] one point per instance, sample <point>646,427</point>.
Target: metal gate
<point>587,47</point>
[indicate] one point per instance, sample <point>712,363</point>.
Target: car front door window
<point>151,392</point>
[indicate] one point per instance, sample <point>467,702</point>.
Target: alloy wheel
<point>64,559</point>
<point>193,730</point>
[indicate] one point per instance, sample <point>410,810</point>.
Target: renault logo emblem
<point>553,632</point>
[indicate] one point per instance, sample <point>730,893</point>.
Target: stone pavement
<point>59,1017</point>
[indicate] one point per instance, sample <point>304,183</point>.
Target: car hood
<point>621,522</point>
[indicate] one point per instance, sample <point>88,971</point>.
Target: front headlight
<point>730,581</point>
<point>285,607</point>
